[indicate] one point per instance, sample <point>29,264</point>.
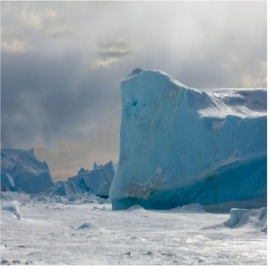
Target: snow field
<point>92,234</point>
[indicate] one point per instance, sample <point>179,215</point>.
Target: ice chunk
<point>13,207</point>
<point>182,146</point>
<point>236,215</point>
<point>257,218</point>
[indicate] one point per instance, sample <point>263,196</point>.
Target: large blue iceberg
<point>180,145</point>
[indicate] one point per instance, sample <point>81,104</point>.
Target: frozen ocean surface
<point>88,232</point>
<point>181,146</point>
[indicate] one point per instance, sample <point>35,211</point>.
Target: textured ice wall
<point>180,145</point>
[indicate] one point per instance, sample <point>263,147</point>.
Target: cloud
<point>69,155</point>
<point>48,21</point>
<point>41,17</point>
<point>112,52</point>
<point>256,77</point>
<point>108,61</point>
<point>47,96</point>
<point>61,89</point>
<point>12,41</point>
<point>115,49</point>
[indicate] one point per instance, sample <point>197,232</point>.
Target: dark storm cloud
<point>62,64</point>
<point>47,98</point>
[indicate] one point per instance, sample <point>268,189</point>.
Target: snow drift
<point>181,146</point>
<point>24,171</point>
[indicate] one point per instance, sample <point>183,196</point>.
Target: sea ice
<point>89,234</point>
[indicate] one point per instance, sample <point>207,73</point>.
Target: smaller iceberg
<point>97,181</point>
<point>20,169</point>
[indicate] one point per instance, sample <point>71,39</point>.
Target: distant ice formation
<point>97,180</point>
<point>182,146</point>
<point>21,170</point>
<point>63,188</point>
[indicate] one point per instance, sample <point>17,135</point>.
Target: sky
<point>62,64</point>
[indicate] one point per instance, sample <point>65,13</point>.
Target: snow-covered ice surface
<point>87,232</point>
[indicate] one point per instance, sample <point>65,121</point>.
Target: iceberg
<point>21,170</point>
<point>180,145</point>
<point>97,181</point>
<point>63,188</point>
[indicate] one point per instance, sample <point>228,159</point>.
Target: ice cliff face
<point>180,145</point>
<point>20,169</point>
